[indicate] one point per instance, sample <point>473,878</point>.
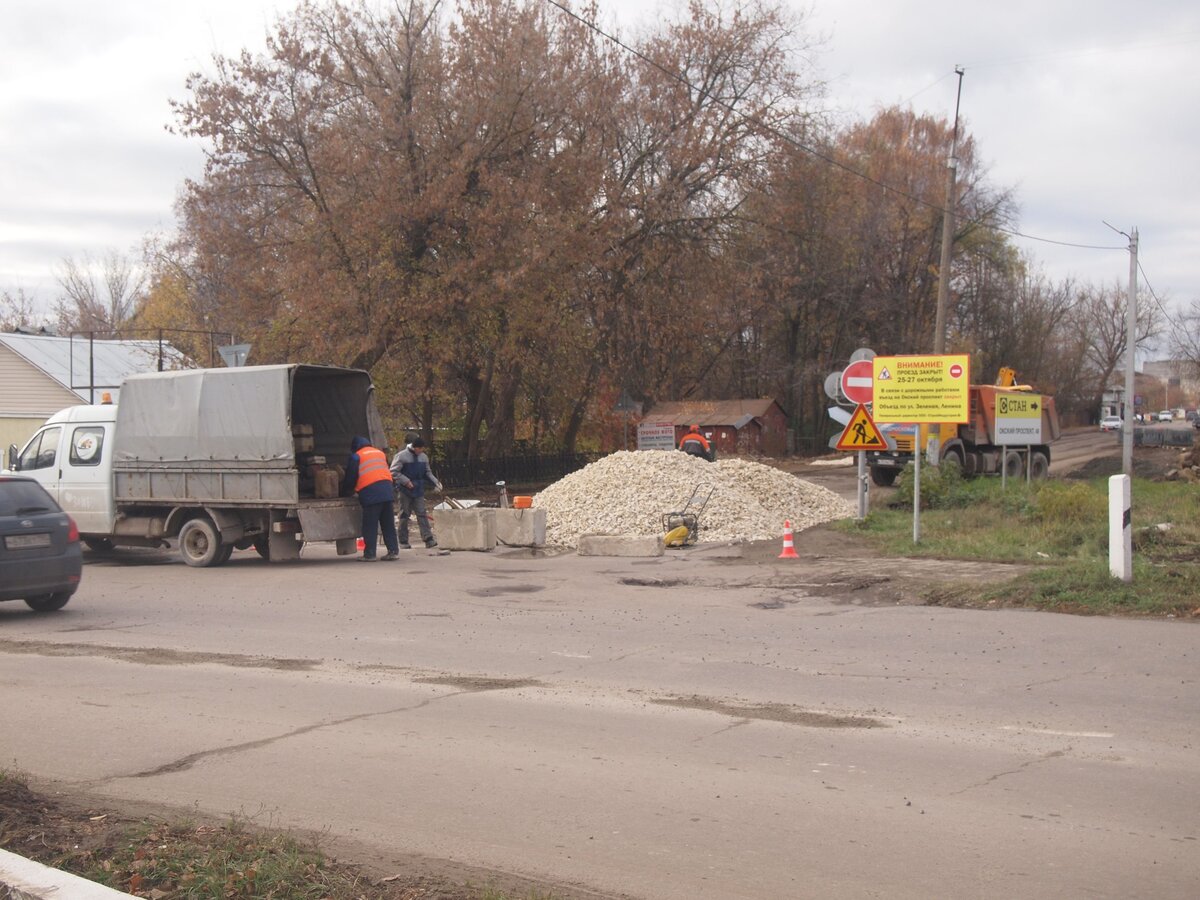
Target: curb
<point>24,879</point>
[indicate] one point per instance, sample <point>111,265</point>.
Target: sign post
<point>861,435</point>
<point>921,390</point>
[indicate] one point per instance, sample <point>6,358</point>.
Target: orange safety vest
<point>694,436</point>
<point>372,467</point>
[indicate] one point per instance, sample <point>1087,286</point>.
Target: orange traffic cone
<point>789,549</point>
<point>362,545</point>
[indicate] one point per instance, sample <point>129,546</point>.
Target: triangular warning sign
<point>861,433</point>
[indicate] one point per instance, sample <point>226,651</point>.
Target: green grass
<point>1059,526</point>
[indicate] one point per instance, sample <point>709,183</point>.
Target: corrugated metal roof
<point>709,412</point>
<point>78,364</point>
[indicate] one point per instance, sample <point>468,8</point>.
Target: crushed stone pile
<point>628,492</point>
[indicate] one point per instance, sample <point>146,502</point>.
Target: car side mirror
<point>13,461</point>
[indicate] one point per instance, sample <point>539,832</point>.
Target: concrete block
<point>464,529</point>
<point>620,545</point>
<point>521,527</point>
<point>24,879</point>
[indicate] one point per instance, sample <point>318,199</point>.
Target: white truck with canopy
<point>211,459</point>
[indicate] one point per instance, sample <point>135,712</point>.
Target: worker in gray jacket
<point>410,472</point>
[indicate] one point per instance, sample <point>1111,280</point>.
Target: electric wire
<point>789,139</point>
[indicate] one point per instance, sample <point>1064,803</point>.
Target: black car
<point>40,558</point>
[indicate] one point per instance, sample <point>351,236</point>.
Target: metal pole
<point>1130,352</point>
<point>943,294</point>
<point>862,485</point>
<point>917,486</point>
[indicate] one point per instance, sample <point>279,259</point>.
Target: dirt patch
<point>770,712</point>
<point>152,852</point>
<point>476,683</point>
<point>158,656</point>
<point>1151,463</point>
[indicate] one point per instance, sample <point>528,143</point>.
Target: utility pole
<point>1130,352</point>
<point>943,294</point>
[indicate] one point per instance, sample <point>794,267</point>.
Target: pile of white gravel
<point>628,492</point>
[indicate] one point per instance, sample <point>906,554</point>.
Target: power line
<point>787,138</point>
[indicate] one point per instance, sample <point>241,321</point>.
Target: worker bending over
<point>696,443</point>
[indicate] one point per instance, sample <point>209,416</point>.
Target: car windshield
<point>21,498</point>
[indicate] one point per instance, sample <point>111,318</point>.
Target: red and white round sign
<point>858,381</point>
<point>956,371</point>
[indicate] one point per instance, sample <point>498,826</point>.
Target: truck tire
<point>200,543</point>
<point>952,459</point>
<point>98,545</point>
<point>1040,466</point>
<point>262,546</point>
<point>48,602</point>
<point>1014,466</point>
<point>883,477</point>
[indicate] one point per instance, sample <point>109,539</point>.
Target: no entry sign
<point>858,381</point>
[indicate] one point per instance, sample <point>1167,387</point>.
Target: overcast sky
<point>1090,111</point>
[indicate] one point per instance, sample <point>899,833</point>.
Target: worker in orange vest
<point>695,443</point>
<point>368,475</point>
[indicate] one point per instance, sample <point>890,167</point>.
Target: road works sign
<point>861,433</point>
<point>1019,419</point>
<point>921,389</point>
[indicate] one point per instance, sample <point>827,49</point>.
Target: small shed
<point>41,374</point>
<point>757,427</point>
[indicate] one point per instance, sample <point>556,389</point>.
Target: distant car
<point>1166,415</point>
<point>1110,423</point>
<point>40,558</point>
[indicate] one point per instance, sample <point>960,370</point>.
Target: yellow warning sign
<point>917,389</point>
<point>861,433</point>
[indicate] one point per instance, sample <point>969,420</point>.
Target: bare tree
<point>19,311</point>
<point>104,303</point>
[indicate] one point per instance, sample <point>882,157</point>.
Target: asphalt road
<point>697,726</point>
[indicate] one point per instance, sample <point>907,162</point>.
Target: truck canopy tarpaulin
<point>241,416</point>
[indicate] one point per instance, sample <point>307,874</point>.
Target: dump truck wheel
<point>200,544</point>
<point>262,546</point>
<point>952,460</point>
<point>1013,466</point>
<point>98,545</point>
<point>1039,466</point>
<point>883,477</point>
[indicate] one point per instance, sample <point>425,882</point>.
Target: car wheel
<point>200,544</point>
<point>48,602</point>
<point>98,545</point>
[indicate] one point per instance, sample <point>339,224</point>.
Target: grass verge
<point>182,860</point>
<point>1061,527</point>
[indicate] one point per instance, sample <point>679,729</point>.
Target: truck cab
<point>71,457</point>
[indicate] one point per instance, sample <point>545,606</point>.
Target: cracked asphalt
<point>711,724</point>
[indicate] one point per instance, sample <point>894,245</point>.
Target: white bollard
<point>1120,528</point>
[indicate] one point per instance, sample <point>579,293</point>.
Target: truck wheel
<point>199,543</point>
<point>1040,465</point>
<point>98,545</point>
<point>883,477</point>
<point>952,461</point>
<point>262,546</point>
<point>1014,466</point>
<point>48,602</point>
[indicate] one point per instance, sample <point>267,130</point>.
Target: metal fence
<point>526,468</point>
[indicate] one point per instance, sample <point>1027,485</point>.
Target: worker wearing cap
<point>410,471</point>
<point>695,443</point>
<point>368,476</point>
